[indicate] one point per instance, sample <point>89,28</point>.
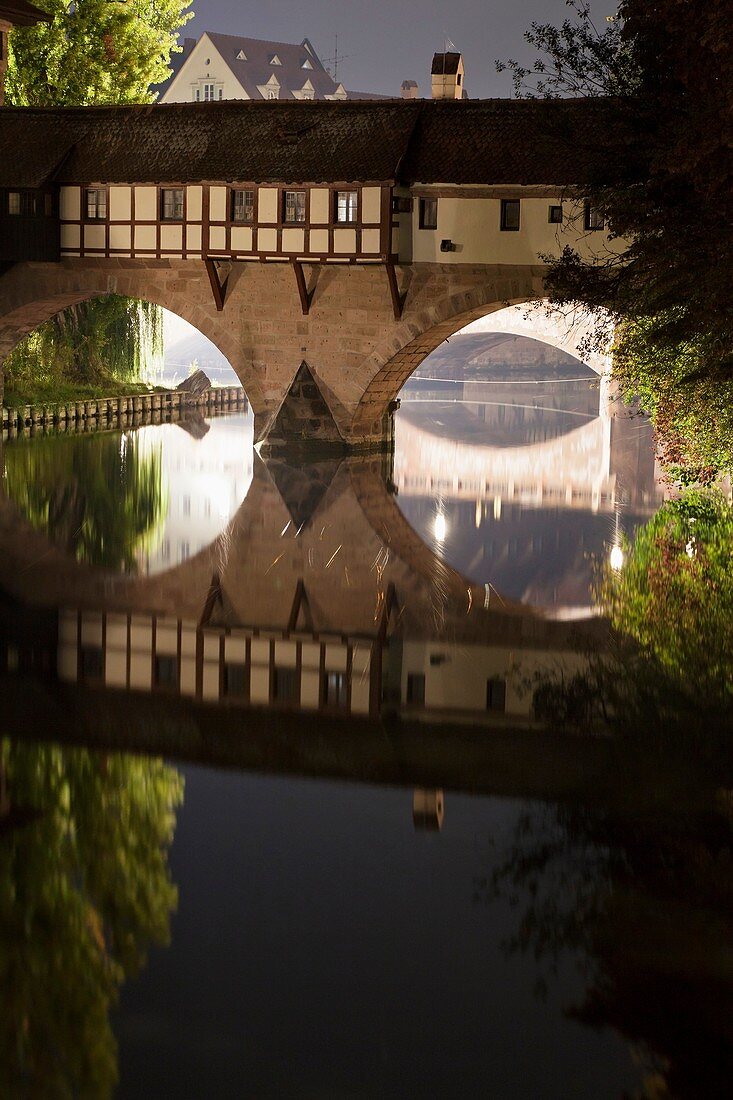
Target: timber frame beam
<point>218,287</point>
<point>306,296</point>
<point>398,298</point>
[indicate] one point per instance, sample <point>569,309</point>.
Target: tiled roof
<point>22,14</point>
<point>512,141</point>
<point>255,72</point>
<point>470,142</point>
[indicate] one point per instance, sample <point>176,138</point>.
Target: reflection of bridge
<point>142,202</point>
<point>597,465</point>
<point>319,594</point>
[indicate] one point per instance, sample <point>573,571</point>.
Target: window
<point>243,206</point>
<point>294,206</point>
<point>235,680</point>
<point>166,670</point>
<point>286,685</point>
<point>221,93</point>
<point>554,215</point>
<point>496,695</point>
<point>272,93</point>
<point>593,217</point>
<point>241,56</point>
<point>208,92</point>
<point>171,204</point>
<point>428,213</point>
<point>510,214</point>
<point>416,688</point>
<point>96,204</point>
<point>91,663</point>
<point>21,203</point>
<point>346,205</point>
<point>197,94</point>
<point>335,690</point>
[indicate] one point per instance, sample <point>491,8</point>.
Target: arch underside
<point>358,354</point>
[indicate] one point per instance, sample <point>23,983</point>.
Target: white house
<point>225,66</point>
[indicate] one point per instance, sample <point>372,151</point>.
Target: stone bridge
<point>358,354</point>
<point>325,248</point>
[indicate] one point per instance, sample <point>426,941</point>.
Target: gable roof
<point>22,14</point>
<point>255,72</point>
<point>519,142</point>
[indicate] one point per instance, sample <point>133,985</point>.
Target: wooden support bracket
<point>300,603</point>
<point>398,299</point>
<point>218,288</point>
<point>306,296</point>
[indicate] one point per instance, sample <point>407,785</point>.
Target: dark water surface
<point>268,927</point>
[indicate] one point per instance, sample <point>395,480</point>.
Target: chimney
<point>447,75</point>
<point>409,89</point>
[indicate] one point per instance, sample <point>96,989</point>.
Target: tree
<point>94,51</point>
<point>84,890</point>
<point>674,593</point>
<point>664,190</point>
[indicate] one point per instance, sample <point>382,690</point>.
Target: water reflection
<point>84,891</point>
<point>521,477</point>
<point>647,898</point>
<point>135,502</point>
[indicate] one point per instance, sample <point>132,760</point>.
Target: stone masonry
<point>358,354</point>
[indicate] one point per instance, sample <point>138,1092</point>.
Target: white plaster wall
<point>195,69</point>
<point>474,227</point>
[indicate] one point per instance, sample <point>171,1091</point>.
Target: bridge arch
<point>32,294</point>
<point>477,310</point>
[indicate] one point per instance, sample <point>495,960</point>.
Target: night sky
<point>384,42</point>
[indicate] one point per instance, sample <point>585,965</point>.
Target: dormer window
<point>272,93</point>
<point>306,64</point>
<point>241,56</point>
<point>275,60</point>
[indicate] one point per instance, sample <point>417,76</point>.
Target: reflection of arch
<point>435,324</point>
<point>354,545</point>
<point>570,470</point>
<point>35,294</point>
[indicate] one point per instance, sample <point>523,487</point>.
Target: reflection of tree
<point>648,903</point>
<point>84,889</point>
<point>99,497</point>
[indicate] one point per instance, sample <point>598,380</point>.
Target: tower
<point>447,75</point>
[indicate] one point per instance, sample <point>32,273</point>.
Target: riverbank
<point>89,414</point>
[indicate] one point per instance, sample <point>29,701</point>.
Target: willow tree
<point>94,52</point>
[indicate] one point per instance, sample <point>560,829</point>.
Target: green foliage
<point>674,594</point>
<point>109,339</point>
<point>84,889</point>
<point>94,51</point>
<point>664,189</point>
<point>691,407</point>
<point>100,497</point>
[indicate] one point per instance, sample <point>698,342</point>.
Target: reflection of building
<point>428,809</point>
<point>206,480</point>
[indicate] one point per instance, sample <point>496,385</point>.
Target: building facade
<point>224,66</point>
